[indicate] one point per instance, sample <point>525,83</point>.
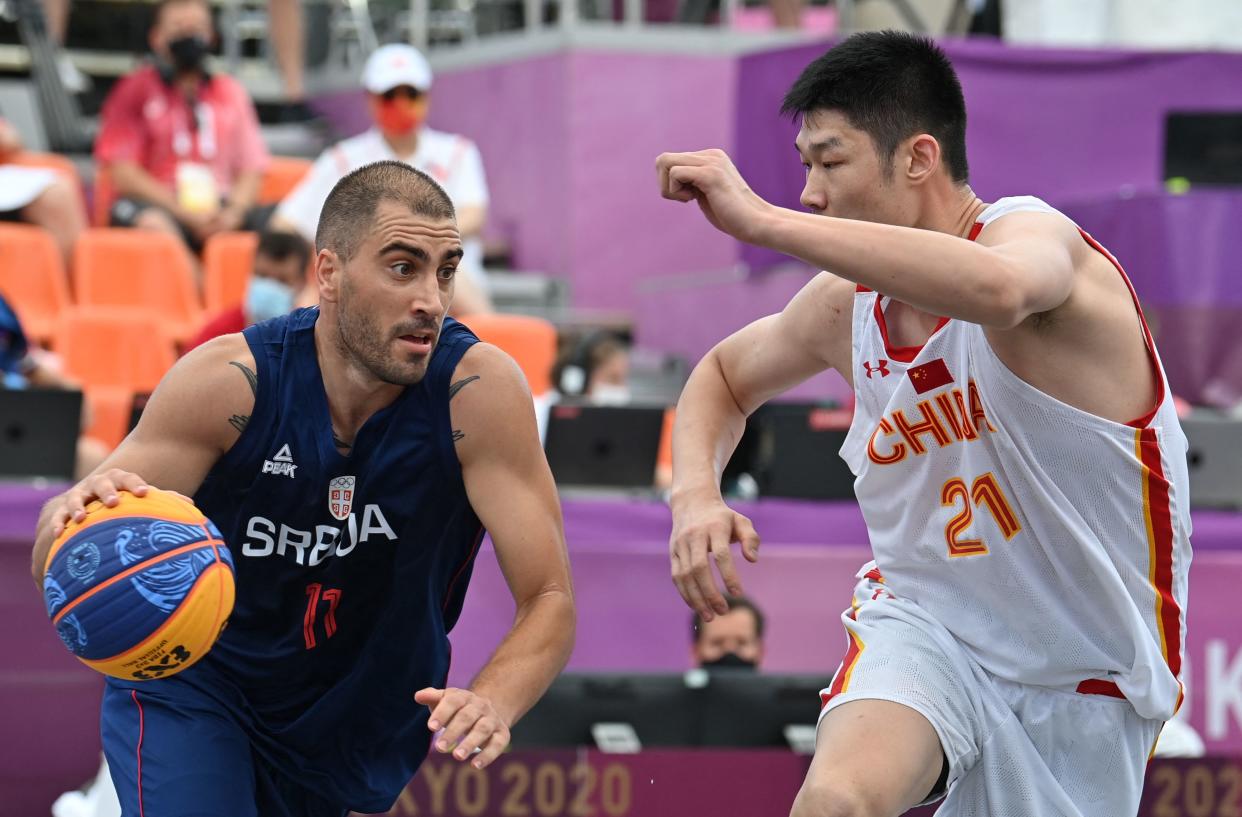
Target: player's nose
<point>813,199</point>
<point>426,300</point>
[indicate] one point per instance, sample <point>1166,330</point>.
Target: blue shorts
<point>191,759</point>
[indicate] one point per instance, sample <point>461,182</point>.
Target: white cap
<point>393,65</point>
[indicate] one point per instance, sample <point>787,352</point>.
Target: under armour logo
<point>881,367</point>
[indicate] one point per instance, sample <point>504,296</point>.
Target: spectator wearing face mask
<point>597,369</point>
<point>182,145</point>
<point>731,641</point>
<point>280,263</point>
<point>397,82</point>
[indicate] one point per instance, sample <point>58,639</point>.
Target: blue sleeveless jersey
<point>351,571</point>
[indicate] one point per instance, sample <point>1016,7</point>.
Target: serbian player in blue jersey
<point>352,454</point>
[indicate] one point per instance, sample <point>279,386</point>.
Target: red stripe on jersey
<point>1138,422</point>
<point>902,354</point>
<point>1098,686</point>
<point>841,681</point>
<point>1159,519</point>
<point>874,575</point>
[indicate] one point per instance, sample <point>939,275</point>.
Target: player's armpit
<point>511,489</point>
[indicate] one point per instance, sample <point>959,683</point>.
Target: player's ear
<point>328,272</point>
<point>918,156</point>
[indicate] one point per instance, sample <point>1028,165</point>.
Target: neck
<point>954,211</point>
<point>354,393</point>
<point>188,83</point>
<point>403,146</point>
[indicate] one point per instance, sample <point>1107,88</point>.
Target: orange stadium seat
<point>528,340</point>
<point>140,269</point>
<point>228,259</point>
<point>109,408</point>
<point>118,348</point>
<point>52,161</point>
<point>32,278</point>
<point>281,176</point>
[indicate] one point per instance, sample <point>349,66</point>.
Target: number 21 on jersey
<point>984,493</point>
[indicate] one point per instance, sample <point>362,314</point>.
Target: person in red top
<point>182,145</point>
<point>279,274</point>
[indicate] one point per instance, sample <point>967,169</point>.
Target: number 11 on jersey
<point>315,593</point>
<point>984,492</point>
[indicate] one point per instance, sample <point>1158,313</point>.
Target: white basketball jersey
<point>1053,544</point>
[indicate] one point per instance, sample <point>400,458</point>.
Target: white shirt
<point>452,160</point>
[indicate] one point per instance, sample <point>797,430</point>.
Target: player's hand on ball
<point>703,530</point>
<point>469,721</point>
<point>710,178</point>
<point>104,486</point>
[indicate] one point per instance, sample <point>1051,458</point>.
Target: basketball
<point>142,590</point>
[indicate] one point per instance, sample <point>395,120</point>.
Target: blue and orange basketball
<point>142,590</point>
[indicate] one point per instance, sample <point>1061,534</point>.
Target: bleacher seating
<point>32,278</point>
<point>529,341</point>
<point>228,259</point>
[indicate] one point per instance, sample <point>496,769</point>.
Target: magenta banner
<point>724,783</point>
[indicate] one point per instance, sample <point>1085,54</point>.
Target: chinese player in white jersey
<point>1016,645</point>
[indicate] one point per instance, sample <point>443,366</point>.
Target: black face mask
<point>730,660</point>
<point>188,53</point>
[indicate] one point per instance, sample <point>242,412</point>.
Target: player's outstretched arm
<point>193,417</point>
<point>1013,271</point>
<point>741,373</point>
<point>511,489</point>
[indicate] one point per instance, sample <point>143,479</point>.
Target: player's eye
<point>829,165</point>
<point>403,268</point>
<point>447,273</point>
<point>806,167</point>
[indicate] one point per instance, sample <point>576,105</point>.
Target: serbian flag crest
<point>930,375</point>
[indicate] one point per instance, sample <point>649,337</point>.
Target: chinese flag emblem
<point>931,375</point>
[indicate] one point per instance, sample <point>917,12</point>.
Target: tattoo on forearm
<point>251,377</point>
<point>461,384</point>
<point>239,421</point>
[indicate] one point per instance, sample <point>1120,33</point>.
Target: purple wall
<point>569,142</point>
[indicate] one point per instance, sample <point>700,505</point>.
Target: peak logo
<point>280,465</point>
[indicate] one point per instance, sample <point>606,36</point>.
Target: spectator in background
<point>397,80</point>
<point>39,196</point>
<point>279,274</point>
<point>731,641</point>
<point>597,369</point>
<point>182,145</point>
<point>23,366</point>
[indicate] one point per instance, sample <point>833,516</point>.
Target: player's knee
<point>828,799</point>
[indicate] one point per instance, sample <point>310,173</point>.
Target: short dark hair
<point>157,10</point>
<point>350,208</point>
<point>735,603</point>
<point>281,244</point>
<point>891,85</point>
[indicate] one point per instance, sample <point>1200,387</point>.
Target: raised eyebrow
<point>409,249</point>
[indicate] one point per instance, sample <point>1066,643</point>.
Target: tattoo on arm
<point>458,434</point>
<point>251,377</point>
<point>461,384</point>
<point>239,421</point>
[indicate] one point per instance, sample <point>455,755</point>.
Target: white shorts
<point>1014,750</point>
